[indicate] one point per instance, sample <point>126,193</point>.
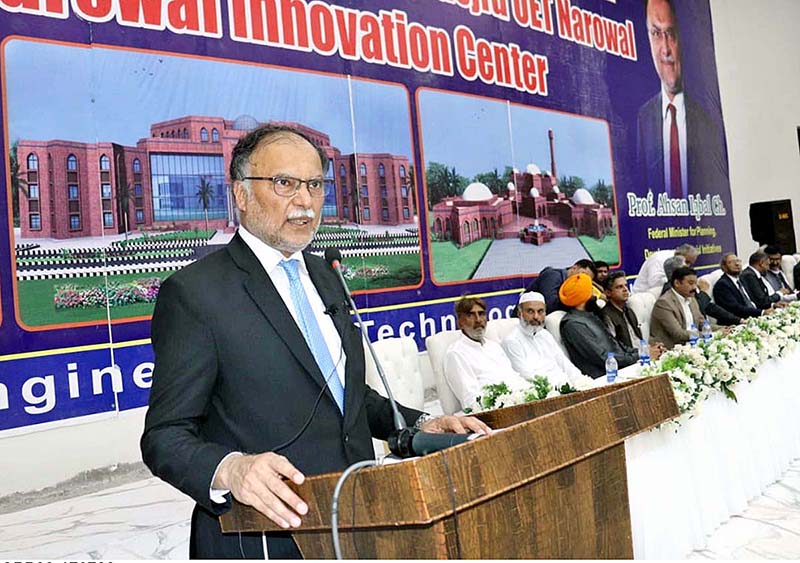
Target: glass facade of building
<point>329,208</point>
<point>176,180</point>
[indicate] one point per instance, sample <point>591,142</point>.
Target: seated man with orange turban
<point>582,332</point>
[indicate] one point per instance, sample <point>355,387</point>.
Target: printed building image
<point>533,195</point>
<point>73,189</point>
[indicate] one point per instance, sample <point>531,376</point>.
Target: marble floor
<point>150,520</point>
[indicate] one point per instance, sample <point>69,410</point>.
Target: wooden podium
<point>551,485</point>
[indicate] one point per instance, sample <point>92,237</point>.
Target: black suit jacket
<point>757,290</point>
<point>234,373</point>
<point>707,166</point>
<point>728,296</point>
<point>711,309</point>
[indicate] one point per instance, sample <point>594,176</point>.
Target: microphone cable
<point>303,428</point>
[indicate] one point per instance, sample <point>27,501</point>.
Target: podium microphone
<point>403,441</point>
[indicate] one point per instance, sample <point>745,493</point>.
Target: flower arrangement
<point>500,395</point>
<point>71,296</point>
<point>695,372</point>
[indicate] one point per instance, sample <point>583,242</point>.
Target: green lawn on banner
<point>404,269</point>
<point>37,309</point>
<point>605,250</point>
<point>451,263</point>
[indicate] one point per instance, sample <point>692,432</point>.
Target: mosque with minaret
<point>531,208</point>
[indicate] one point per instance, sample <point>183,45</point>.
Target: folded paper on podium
<point>551,485</point>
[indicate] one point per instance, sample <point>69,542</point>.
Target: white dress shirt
<point>539,354</point>
<point>680,120</point>
<point>652,273</point>
<point>469,365</point>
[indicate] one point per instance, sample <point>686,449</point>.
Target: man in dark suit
<point>255,354</point>
<point>753,280</point>
<point>730,294</point>
<point>550,279</point>
<point>676,310</point>
<point>681,150</point>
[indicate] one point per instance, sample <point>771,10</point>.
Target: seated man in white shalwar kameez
<point>533,350</point>
<point>473,361</point>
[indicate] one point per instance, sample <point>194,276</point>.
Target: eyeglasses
<point>287,186</point>
<point>670,34</point>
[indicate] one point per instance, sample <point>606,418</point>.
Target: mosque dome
<point>556,190</point>
<point>582,196</point>
<point>515,170</point>
<point>534,192</point>
<point>245,123</point>
<point>477,192</point>
<point>532,169</point>
<point>511,186</point>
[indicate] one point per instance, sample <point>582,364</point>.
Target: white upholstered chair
<point>437,345</point>
<point>399,358</point>
<point>499,329</point>
<point>712,278</point>
<point>642,306</point>
<point>788,263</point>
<point>552,322</point>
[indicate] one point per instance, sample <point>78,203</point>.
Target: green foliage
<point>570,184</point>
<point>566,389</point>
<point>603,193</point>
<point>492,180</point>
<point>490,394</point>
<point>443,182</point>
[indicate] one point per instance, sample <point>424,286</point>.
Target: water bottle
<point>644,353</point>
<point>693,335</point>
<point>611,367</point>
<point>707,336</point>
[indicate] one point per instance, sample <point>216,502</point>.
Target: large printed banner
<point>472,143</point>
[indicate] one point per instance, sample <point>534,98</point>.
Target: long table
<point>684,481</point>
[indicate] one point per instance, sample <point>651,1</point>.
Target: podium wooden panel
<point>551,485</point>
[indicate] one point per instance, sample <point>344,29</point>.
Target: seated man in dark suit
<point>252,364</point>
<point>676,311</point>
<point>762,294</point>
<point>730,293</point>
<point>619,319</point>
<point>710,309</point>
<point>550,279</point>
<point>582,332</point>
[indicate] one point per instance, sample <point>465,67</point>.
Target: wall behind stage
<point>751,40</point>
<point>517,119</point>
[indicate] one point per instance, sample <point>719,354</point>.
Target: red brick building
<point>88,189</point>
<point>533,194</point>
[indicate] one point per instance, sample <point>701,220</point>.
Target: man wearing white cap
<point>532,350</point>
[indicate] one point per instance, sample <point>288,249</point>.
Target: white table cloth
<point>683,482</point>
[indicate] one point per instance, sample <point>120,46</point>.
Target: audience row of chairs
<point>410,373</point>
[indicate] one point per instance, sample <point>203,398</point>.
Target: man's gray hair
<point>673,264</point>
<point>757,257</point>
<point>240,157</point>
<point>687,250</point>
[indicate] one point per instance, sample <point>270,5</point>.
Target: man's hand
<point>257,480</point>
<point>656,350</point>
<point>455,424</point>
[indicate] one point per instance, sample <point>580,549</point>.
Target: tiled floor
<point>150,520</point>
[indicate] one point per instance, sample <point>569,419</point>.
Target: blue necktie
<point>312,333</point>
